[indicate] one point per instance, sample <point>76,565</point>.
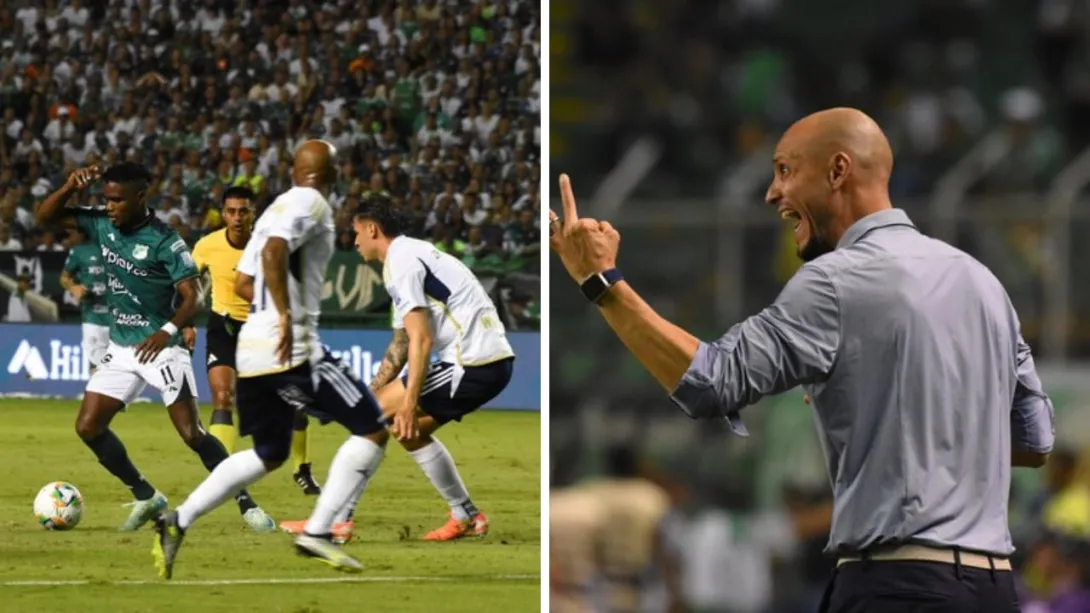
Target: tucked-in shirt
<point>919,378</point>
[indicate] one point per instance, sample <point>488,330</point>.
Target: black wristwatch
<point>595,288</point>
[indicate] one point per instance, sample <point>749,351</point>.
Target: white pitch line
<point>270,581</point>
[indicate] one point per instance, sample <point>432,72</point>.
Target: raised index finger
<point>570,214</point>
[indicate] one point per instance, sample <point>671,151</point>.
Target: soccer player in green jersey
<point>84,277</point>
<point>151,292</point>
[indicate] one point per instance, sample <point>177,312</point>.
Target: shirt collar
<point>881,219</point>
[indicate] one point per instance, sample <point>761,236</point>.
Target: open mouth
<point>791,216</point>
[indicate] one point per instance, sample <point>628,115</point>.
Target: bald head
<point>832,169</point>
<point>313,165</point>
<point>847,131</point>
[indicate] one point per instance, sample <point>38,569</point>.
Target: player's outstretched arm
<point>52,208</point>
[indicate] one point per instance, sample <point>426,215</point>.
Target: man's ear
<point>840,167</point>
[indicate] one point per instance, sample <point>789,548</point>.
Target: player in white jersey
<point>438,305</point>
<point>283,368</point>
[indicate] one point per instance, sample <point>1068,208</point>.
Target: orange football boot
<point>342,530</point>
<point>456,528</point>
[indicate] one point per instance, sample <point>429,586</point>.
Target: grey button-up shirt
<point>919,377</point>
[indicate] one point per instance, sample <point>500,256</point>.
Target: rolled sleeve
<point>1032,426</point>
<point>792,342</point>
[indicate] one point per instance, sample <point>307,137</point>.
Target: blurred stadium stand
<point>666,114</point>
<point>434,103</point>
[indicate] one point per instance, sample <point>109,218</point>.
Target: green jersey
<point>142,269</point>
<point>87,267</point>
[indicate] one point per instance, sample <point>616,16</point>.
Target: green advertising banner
<point>352,287</point>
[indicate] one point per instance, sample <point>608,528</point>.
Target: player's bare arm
<point>397,354</point>
<point>70,285</point>
<point>420,340</point>
<point>183,315</point>
<point>274,262</point>
<point>53,207</point>
<point>587,247</point>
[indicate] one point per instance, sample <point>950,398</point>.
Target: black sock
<point>221,417</point>
<point>470,509</point>
<point>244,502</point>
<point>212,452</point>
<point>111,453</point>
<point>301,422</point>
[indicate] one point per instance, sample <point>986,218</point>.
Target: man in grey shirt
<point>910,351</point>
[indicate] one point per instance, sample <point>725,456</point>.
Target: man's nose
<point>773,195</point>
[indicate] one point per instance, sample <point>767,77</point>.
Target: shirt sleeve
<point>174,254</point>
<point>406,288</point>
<point>294,223</point>
<point>1031,412</point>
<point>71,263</point>
<point>88,219</point>
<point>792,342</point>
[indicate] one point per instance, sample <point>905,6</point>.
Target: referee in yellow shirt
<point>218,253</point>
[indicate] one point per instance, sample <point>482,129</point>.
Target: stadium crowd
<point>432,103</point>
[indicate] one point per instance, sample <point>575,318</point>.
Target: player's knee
<point>414,444</point>
<point>272,455</point>
<point>379,438</point>
<point>192,435</point>
<point>222,400</point>
<point>88,428</point>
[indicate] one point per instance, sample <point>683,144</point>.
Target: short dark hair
<point>127,172</point>
<point>382,211</point>
<point>238,191</point>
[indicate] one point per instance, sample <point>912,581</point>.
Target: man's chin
<point>813,249</point>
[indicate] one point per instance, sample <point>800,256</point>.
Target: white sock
<point>438,465</point>
<point>238,471</point>
<point>349,510</point>
<point>355,463</point>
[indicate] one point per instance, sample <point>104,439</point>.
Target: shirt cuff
<point>1032,425</point>
<point>696,394</point>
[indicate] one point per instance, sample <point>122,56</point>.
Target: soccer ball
<point>58,506</point>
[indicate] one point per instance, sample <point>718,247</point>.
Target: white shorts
<point>123,377</point>
<point>96,339</point>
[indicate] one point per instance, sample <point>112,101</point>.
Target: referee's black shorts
<point>221,340</point>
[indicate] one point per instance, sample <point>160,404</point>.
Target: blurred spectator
<point>18,307</point>
<point>1062,564</point>
<point>7,241</point>
<point>417,96</point>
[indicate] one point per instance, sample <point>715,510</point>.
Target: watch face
<point>594,287</point>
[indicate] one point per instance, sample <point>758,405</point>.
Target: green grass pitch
<point>225,567</point>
